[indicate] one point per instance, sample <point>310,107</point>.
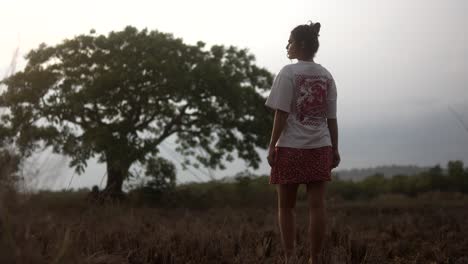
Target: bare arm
<point>333,128</point>
<point>278,125</point>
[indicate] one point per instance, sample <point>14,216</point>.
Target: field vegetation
<point>233,222</point>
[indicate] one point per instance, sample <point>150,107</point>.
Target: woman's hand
<point>336,158</point>
<point>271,155</point>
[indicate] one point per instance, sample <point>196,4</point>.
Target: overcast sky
<point>399,65</point>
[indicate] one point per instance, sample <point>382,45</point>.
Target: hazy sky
<point>398,64</point>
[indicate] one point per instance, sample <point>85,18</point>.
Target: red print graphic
<point>311,101</point>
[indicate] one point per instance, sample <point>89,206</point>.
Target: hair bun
<point>316,28</point>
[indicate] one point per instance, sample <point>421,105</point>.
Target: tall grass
<point>66,228</point>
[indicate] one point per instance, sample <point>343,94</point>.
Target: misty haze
<point>137,131</point>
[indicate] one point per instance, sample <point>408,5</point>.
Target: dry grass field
<point>392,229</point>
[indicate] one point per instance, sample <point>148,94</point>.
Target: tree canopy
<point>119,96</point>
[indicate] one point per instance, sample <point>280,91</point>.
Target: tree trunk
<point>116,173</point>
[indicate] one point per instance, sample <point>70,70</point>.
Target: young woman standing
<point>304,141</point>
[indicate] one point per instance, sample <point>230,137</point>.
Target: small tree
<point>9,166</point>
<point>435,179</point>
<point>161,174</point>
<point>456,174</point>
<point>119,96</point>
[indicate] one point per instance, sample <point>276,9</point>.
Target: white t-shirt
<point>307,91</point>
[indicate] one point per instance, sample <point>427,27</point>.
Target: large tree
<point>119,96</point>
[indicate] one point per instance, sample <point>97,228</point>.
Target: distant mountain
<point>387,171</point>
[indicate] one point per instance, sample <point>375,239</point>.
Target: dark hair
<point>307,34</point>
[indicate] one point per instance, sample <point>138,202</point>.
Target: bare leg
<point>317,218</point>
<point>287,217</point>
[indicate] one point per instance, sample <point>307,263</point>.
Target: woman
<point>304,140</point>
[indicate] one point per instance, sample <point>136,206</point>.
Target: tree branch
<point>168,130</point>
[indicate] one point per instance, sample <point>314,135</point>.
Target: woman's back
<point>307,91</point>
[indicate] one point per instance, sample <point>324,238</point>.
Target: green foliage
<point>347,189</point>
<point>9,166</point>
<point>245,192</point>
<point>119,96</point>
<point>161,174</point>
<point>248,190</point>
<point>434,179</point>
<point>457,175</point>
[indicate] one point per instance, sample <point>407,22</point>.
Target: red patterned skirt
<point>293,165</point>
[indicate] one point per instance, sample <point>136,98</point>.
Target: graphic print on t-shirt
<point>311,99</point>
